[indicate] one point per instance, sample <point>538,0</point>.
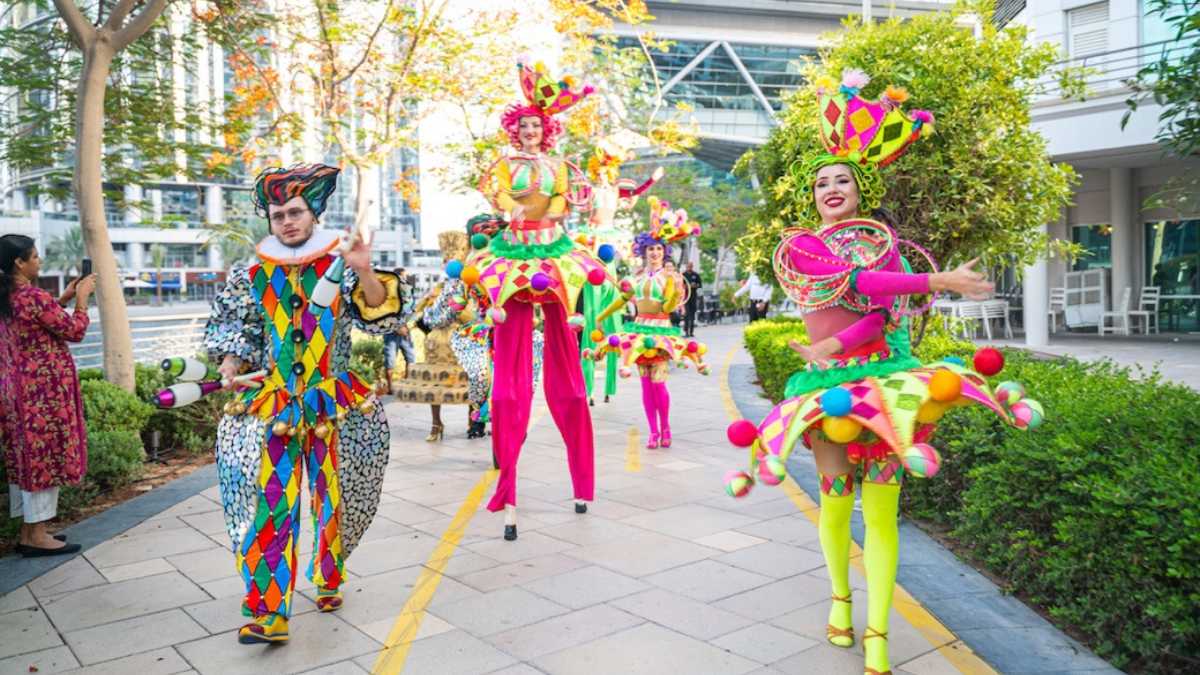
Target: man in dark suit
<point>692,277</point>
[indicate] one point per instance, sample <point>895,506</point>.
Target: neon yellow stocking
<point>881,552</point>
<point>837,503</point>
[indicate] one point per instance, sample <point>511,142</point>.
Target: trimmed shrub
<point>107,407</point>
<point>767,341</point>
<point>1093,516</point>
<point>366,357</point>
<point>115,458</point>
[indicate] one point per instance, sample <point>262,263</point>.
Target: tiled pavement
<point>664,574</point>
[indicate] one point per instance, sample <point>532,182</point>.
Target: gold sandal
<point>867,635</point>
<point>435,433</point>
<point>832,631</point>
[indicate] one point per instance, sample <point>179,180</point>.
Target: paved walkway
<point>665,574</point>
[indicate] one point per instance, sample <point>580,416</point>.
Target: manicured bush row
<point>1094,516</point>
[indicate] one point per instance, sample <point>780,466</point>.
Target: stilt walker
<point>290,314</point>
<point>535,262</point>
<point>864,400</point>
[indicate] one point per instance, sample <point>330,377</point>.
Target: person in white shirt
<point>760,296</point>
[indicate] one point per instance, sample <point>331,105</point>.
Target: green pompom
<point>479,240</point>
<point>648,342</point>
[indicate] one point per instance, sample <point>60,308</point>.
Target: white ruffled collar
<point>320,243</point>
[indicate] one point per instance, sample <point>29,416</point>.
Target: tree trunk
<point>89,193</point>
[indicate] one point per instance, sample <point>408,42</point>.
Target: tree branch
<point>370,45</point>
<point>139,25</point>
<point>118,14</point>
<point>81,30</point>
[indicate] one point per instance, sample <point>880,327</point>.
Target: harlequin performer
<point>291,313</point>
<point>864,400</point>
<point>535,262</point>
<point>611,192</point>
<point>652,343</point>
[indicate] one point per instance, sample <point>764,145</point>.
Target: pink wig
<point>510,121</point>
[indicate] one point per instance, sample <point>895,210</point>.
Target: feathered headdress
<point>669,226</point>
<point>547,94</point>
<point>277,185</point>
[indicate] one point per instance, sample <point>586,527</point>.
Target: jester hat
<point>666,226</point>
<point>860,133</point>
<point>312,182</point>
<point>548,95</point>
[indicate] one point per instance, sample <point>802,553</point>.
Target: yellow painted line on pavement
<point>946,642</point>
<point>633,452</point>
<point>395,650</point>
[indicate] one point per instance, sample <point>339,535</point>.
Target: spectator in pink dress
<point>41,419</point>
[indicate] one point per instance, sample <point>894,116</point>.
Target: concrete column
<point>1036,287</point>
<point>214,205</point>
<point>136,256</point>
<point>133,212</point>
<point>156,205</point>
<point>215,260</point>
<point>1120,210</point>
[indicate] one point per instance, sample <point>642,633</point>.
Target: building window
<point>183,255</point>
<point>1087,30</point>
<point>1173,264</point>
<point>1097,243</point>
<point>1006,10</point>
<point>182,206</point>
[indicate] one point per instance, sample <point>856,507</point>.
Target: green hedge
<point>1094,516</point>
<point>366,357</point>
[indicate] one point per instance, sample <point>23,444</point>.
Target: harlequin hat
<point>312,182</point>
<point>864,131</point>
<point>669,226</point>
<point>547,94</point>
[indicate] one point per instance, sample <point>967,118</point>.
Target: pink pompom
<point>852,78</point>
<point>596,276</point>
<point>693,347</point>
<point>923,116</point>
<point>742,433</point>
<point>588,90</point>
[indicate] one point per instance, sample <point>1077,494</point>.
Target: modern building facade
<point>171,224</point>
<point>1120,169</point>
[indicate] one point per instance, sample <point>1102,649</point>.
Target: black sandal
<point>39,552</point>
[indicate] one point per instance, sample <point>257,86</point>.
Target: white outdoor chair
<point>996,309</point>
<point>1148,308</point>
<point>1058,305</point>
<point>970,312</point>
<point>1119,316</point>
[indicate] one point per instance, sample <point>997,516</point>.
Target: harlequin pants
<point>268,552</point>
<point>512,397</point>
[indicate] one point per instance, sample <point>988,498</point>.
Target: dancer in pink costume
<point>651,342</point>
<point>534,261</point>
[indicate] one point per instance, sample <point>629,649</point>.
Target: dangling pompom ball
<point>497,315</point>
<point>576,321</point>
<point>606,252</point>
<point>470,275</point>
<point>841,429</point>
<point>624,372</point>
<point>836,402</point>
<point>597,335</point>
<point>586,353</point>
<point>693,347</point>
<point>742,433</point>
<point>614,341</point>
<point>738,484</point>
<point>1027,414</point>
<point>921,460</point>
<point>771,470</point>
<point>540,281</point>
<point>454,269</point>
<point>703,349</point>
<point>479,240</point>
<point>931,411</point>
<point>1009,392</point>
<point>945,385</point>
<point>648,342</point>
<point>703,369</point>
<point>596,276</point>
<point>988,361</point>
<point>626,286</point>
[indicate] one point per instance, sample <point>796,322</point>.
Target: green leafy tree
<point>66,251</point>
<point>981,185</point>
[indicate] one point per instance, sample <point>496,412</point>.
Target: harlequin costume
<point>291,313</point>
<point>651,342</point>
<point>875,398</point>
<point>535,262</point>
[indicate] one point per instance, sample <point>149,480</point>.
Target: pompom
<point>988,361</point>
<point>1009,392</point>
<point>895,95</point>
<point>841,429</point>
<point>855,79</point>
<point>586,353</point>
<point>626,286</point>
<point>921,460</point>
<point>596,276</point>
<point>606,252</point>
<point>454,269</point>
<point>945,385</point>
<point>624,372</point>
<point>470,275</point>
<point>836,402</point>
<point>479,240</point>
<point>497,315</point>
<point>931,412</point>
<point>693,347</point>
<point>576,321</point>
<point>648,342</point>
<point>597,335</point>
<point>1027,414</point>
<point>703,349</point>
<point>922,116</point>
<point>540,281</point>
<point>771,470</point>
<point>742,433</point>
<point>703,369</point>
<point>825,84</point>
<point>738,484</point>
<point>614,341</point>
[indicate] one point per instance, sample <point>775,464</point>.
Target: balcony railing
<point>1108,72</point>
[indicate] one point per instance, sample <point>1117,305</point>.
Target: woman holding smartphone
<point>41,422</point>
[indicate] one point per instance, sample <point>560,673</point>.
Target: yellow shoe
<point>271,628</point>
<point>329,600</point>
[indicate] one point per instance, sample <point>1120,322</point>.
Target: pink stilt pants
<point>512,397</point>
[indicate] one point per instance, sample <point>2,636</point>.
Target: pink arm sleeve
<point>810,256</point>
<point>861,331</point>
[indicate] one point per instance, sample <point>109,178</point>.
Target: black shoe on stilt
<point>591,402</point>
<point>606,398</point>
<point>510,533</point>
<point>580,507</point>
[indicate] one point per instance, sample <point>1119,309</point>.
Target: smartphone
<point>85,267</point>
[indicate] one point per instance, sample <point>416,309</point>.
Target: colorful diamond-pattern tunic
<point>311,414</point>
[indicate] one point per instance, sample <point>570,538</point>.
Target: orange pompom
<point>945,385</point>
